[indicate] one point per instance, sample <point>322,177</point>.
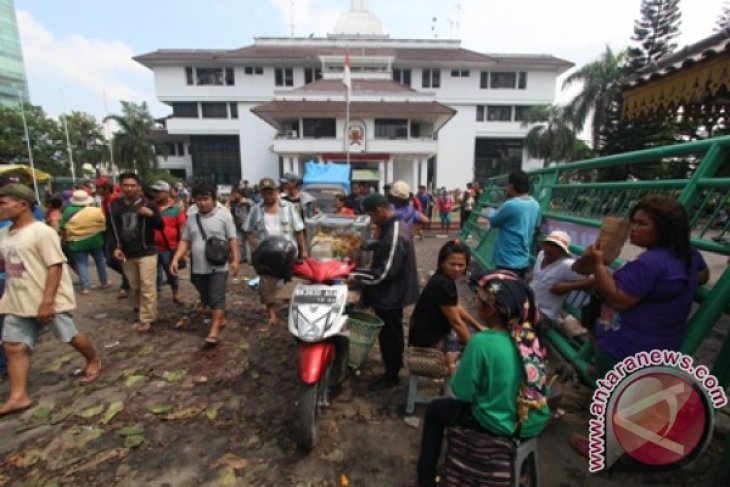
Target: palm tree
<point>599,78</point>
<point>133,144</point>
<point>551,137</point>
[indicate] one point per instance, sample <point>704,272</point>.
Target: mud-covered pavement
<point>167,413</point>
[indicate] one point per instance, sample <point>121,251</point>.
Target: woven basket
<point>426,362</point>
<point>364,327</point>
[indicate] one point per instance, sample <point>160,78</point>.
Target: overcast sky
<point>76,50</point>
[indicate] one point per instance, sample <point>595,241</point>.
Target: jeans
<point>114,264</point>
<point>391,340</point>
<point>442,413</point>
<point>164,258</point>
<point>242,247</point>
<point>81,258</point>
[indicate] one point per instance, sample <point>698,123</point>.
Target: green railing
<point>571,201</point>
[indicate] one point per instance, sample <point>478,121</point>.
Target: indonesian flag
<point>346,75</point>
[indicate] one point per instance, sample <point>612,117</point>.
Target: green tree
<point>599,78</point>
<point>87,141</point>
<point>551,137</point>
<point>134,148</point>
<point>43,135</point>
<point>654,31</point>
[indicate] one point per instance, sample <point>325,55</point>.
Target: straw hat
<point>81,198</point>
<point>559,238</point>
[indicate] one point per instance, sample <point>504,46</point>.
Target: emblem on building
<point>355,141</point>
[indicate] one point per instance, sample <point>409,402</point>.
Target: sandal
<point>90,377</point>
<point>142,327</point>
<point>211,342</point>
<point>122,294</point>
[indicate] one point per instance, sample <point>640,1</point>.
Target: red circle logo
<point>660,418</point>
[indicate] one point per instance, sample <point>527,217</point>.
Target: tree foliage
<point>551,136</point>
<point>723,20</point>
<point>654,32</point>
<point>134,148</point>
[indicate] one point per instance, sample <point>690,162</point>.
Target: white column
<point>295,166</point>
<point>381,171</point>
<point>424,172</point>
<point>414,175</point>
<point>389,167</point>
<point>285,164</point>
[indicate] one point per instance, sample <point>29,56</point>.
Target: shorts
<point>267,289</point>
<point>211,288</point>
<point>445,217</point>
<point>20,329</point>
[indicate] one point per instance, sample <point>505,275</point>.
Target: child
<point>445,205</point>
<point>438,321</point>
<point>552,280</point>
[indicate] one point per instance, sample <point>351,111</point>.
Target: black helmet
<point>274,257</point>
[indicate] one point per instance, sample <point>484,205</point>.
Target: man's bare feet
<point>15,406</point>
<point>92,371</point>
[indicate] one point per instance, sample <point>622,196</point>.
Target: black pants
<point>113,263</point>
<point>442,413</point>
<point>391,340</point>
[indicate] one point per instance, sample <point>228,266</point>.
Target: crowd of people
<point>149,234</point>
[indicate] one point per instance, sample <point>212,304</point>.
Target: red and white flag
<point>346,76</point>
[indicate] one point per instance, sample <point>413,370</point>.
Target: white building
<point>426,111</point>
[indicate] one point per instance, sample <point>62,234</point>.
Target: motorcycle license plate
<point>316,295</point>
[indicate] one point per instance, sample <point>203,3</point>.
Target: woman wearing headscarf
<point>499,387</point>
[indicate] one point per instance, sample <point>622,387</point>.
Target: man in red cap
<point>108,193</point>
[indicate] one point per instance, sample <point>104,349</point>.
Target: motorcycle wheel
<point>308,412</point>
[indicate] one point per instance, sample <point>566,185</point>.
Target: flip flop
<point>142,327</point>
<point>89,378</point>
<point>17,410</point>
<point>211,342</point>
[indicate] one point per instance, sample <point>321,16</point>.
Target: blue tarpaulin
<point>333,173</point>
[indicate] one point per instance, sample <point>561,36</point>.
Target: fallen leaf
<point>146,351</point>
<point>160,408</point>
<point>245,346</point>
<point>61,415</point>
<point>255,375</point>
<point>226,477</point>
<point>41,413</point>
<point>232,461</point>
<point>129,372</point>
<point>133,380</point>
<point>264,335</point>
<point>52,483</point>
<point>186,413</point>
<point>90,412</point>
<point>114,408</point>
<point>200,380</point>
<point>26,459</point>
<point>212,414</point>
<point>136,429</point>
<point>133,441</point>
<point>60,362</point>
<point>115,454</point>
<point>174,375</point>
<point>120,355</point>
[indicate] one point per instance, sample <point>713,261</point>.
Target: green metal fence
<point>572,201</point>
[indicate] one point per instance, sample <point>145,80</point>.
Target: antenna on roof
<point>433,28</point>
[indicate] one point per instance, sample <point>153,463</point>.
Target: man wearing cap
<point>167,239</point>
<point>552,278</point>
<point>38,293</point>
<point>516,219</point>
<point>390,284</point>
<point>273,217</point>
<point>82,229</point>
<point>132,223</point>
<point>400,196</point>
<point>107,192</point>
<point>303,202</point>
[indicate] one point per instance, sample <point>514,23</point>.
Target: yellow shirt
<point>28,253</point>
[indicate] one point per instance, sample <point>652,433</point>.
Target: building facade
<point>426,111</point>
<point>13,82</point>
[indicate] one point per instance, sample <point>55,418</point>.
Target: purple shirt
<point>666,289</point>
<point>407,214</point>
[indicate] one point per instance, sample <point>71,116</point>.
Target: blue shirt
<point>516,220</point>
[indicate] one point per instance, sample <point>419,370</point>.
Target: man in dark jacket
<point>390,285</point>
<point>133,221</point>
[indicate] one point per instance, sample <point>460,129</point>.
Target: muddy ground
<point>166,413</point>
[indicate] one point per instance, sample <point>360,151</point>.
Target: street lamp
<point>27,142</point>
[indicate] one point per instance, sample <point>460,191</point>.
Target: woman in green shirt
<point>499,386</point>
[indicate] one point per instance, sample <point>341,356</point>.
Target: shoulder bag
<point>217,250</point>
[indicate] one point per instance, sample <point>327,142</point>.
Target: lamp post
<point>30,151</point>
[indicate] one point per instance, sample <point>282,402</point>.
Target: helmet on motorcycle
<point>274,257</point>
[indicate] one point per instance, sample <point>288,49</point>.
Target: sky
<point>78,53</point>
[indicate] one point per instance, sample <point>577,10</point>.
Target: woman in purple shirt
<point>646,302</point>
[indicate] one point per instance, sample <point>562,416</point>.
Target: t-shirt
<point>408,214</point>
<point>271,222</point>
<point>28,253</point>
<point>543,278</point>
<point>489,377</point>
<point>428,322</point>
<point>173,219</point>
<point>516,220</point>
<point>218,223</point>
<point>666,289</point>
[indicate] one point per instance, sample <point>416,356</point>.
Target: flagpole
<point>110,136</point>
<point>347,81</point>
<point>68,139</point>
<point>30,151</point>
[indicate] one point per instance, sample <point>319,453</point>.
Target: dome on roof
<point>358,22</point>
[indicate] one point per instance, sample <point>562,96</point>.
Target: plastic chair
<point>526,456</point>
<point>423,362</point>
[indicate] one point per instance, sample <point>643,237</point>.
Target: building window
<point>391,128</point>
<point>459,73</point>
<point>312,74</point>
<point>214,110</point>
<point>522,80</point>
<point>234,109</point>
<point>402,76</point>
<point>216,158</point>
<point>484,80</point>
<point>284,77</point>
<point>230,77</point>
<point>185,110</point>
<point>431,78</point>
<point>499,113</point>
<point>319,127</point>
<point>480,113</point>
<point>189,75</point>
<point>251,70</point>
<point>208,76</point>
<point>521,112</point>
<point>502,80</point>
<point>180,149</point>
